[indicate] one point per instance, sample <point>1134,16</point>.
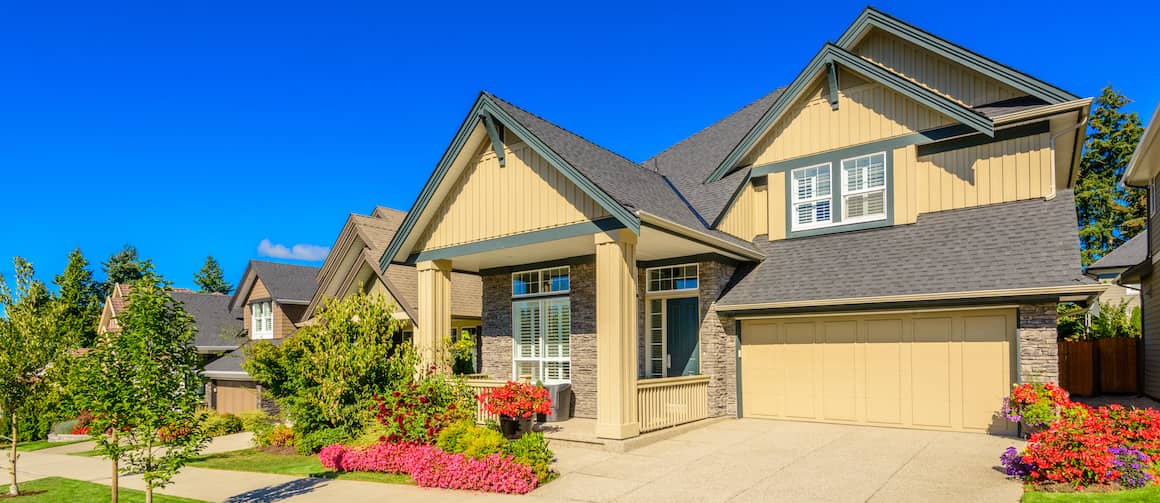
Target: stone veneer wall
<point>496,334</point>
<point>1038,349</point>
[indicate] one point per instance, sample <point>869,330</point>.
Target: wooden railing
<point>671,401</point>
<point>478,387</point>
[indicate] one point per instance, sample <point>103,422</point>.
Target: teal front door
<point>682,337</point>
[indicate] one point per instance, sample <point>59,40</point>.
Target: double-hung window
<point>262,320</point>
<point>864,188</point>
<point>812,197</point>
<point>542,325</point>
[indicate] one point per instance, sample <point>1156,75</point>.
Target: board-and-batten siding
<point>866,112</point>
<point>748,215</point>
<point>998,172</point>
<point>488,201</point>
<point>933,71</point>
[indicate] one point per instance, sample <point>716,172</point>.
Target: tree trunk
<point>13,489</point>
<point>148,493</point>
<point>114,480</point>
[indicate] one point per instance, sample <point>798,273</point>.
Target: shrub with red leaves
<point>517,400</point>
<point>417,412</point>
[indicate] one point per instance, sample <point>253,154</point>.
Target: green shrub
<point>470,440</point>
<point>278,435</point>
<point>532,450</point>
<point>216,425</point>
<point>257,422</point>
<point>314,441</point>
<point>418,411</point>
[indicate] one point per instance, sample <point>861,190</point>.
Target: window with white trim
<point>542,326</point>
<point>812,197</point>
<point>656,339</point>
<point>864,188</point>
<point>672,279</point>
<point>262,320</point>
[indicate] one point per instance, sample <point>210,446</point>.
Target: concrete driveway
<point>765,460</point>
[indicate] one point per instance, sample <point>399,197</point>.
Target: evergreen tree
<point>210,279</point>
<point>124,267</point>
<point>1108,212</point>
<point>80,300</point>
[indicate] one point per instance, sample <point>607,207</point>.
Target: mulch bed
<point>281,451</point>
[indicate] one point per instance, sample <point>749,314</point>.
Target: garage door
<point>235,396</point>
<point>945,370</point>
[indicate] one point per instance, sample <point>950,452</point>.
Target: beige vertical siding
<point>933,71</point>
<point>488,201</point>
<point>999,172</point>
<point>283,324</point>
<point>749,214</point>
<point>866,113</point>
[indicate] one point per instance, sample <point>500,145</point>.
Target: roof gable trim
<point>871,18</point>
<point>484,107</point>
<point>831,54</point>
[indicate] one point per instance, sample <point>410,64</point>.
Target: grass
<point>61,490</point>
<point>38,445</point>
<point>1130,496</point>
<point>254,460</point>
<point>87,454</point>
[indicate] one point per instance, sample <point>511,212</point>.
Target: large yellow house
<point>882,241</point>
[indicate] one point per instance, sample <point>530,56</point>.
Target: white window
<point>542,327</point>
<point>864,188</point>
<point>656,339</point>
<point>544,281</point>
<point>672,279</point>
<point>262,320</point>
<point>811,197</point>
<point>542,330</point>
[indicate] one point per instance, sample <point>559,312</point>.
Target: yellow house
<point>883,241</point>
<point>1144,171</point>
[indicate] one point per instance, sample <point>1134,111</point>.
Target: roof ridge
<point>561,128</point>
<point>711,125</point>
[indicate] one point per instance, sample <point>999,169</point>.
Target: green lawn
<point>38,445</point>
<point>61,490</point>
<point>1132,496</point>
<point>87,454</point>
<point>253,460</point>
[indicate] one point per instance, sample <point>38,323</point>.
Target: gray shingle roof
<point>690,162</point>
<point>286,281</point>
<point>1024,244</point>
<point>625,181</point>
<point>1132,252</point>
<point>1009,106</point>
<point>229,362</point>
<point>216,325</point>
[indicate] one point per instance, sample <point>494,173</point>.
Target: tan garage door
<point>946,370</point>
<point>235,396</point>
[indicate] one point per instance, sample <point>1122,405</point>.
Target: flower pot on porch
<point>514,427</point>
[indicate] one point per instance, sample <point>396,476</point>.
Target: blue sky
<point>197,128</point>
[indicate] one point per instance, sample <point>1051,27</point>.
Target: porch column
<point>616,335</point>
<point>434,323</point>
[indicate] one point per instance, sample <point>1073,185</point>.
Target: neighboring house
<point>218,331</point>
<point>353,266</point>
<point>271,299</point>
<point>883,241</point>
<point>1110,268</point>
<point>1144,171</point>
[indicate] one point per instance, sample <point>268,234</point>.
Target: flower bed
<point>430,466</point>
<point>1108,447</point>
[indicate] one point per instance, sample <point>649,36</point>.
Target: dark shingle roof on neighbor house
<point>1132,252</point>
<point>1008,246</point>
<point>286,282</point>
<point>217,327</point>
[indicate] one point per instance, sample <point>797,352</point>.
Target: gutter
<point>714,241</point>
<point>980,294</point>
<point>1043,111</point>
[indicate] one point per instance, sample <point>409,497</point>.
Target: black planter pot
<point>514,427</point>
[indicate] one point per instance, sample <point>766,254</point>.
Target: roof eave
<point>714,241</point>
<point>1088,289</point>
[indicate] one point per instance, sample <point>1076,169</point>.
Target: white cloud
<point>306,252</point>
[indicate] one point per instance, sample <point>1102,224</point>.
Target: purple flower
<point>1013,463</point>
<point>1131,463</point>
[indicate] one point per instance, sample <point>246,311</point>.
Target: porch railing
<point>671,401</point>
<point>478,387</point>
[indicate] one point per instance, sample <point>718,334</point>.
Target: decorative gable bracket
<point>493,133</point>
<point>832,78</point>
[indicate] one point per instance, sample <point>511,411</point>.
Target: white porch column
<point>434,323</point>
<point>616,415</point>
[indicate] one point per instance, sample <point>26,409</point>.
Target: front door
<point>681,337</point>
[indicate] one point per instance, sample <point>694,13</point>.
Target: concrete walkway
<point>736,460</point>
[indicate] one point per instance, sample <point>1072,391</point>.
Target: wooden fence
<point>671,401</point>
<point>1103,366</point>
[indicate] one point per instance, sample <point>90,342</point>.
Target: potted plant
<point>1034,406</point>
<point>515,404</point>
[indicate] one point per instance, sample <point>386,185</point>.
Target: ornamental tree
<point>28,344</point>
<point>141,386</point>
<point>325,376</point>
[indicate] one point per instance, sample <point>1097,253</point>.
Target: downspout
<point>1051,144</point>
